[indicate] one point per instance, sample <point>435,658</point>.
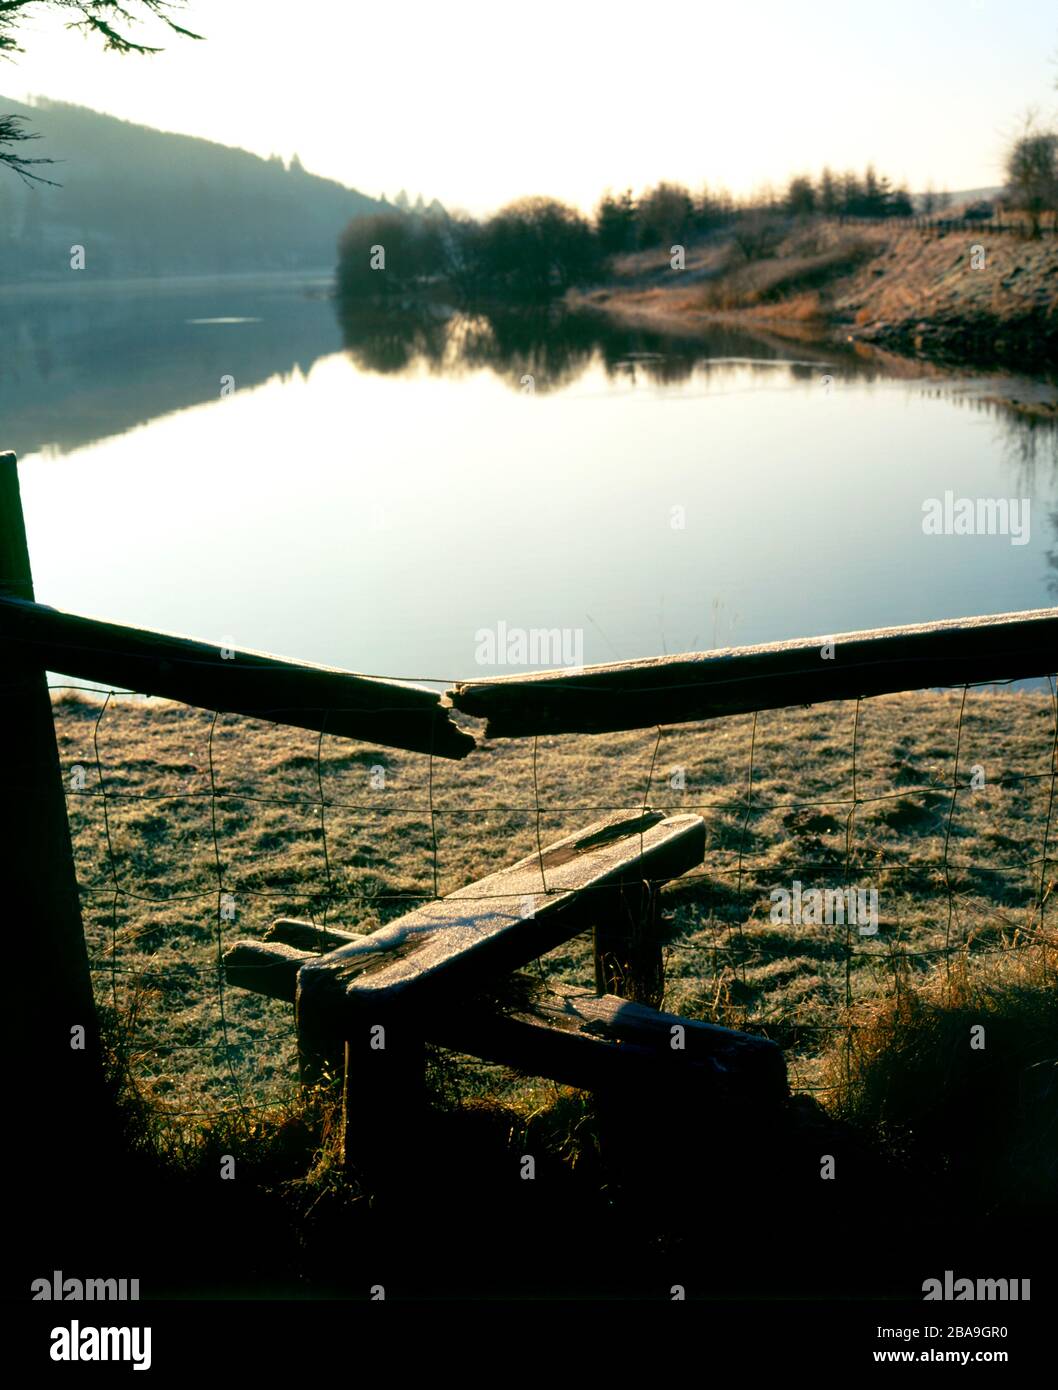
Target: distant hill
<point>145,202</point>
<point>958,199</point>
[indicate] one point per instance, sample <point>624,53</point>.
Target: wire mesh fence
<point>850,847</point>
<point>994,222</point>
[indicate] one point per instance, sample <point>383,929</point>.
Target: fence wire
<point>171,877</point>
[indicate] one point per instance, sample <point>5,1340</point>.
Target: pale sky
<point>476,103</point>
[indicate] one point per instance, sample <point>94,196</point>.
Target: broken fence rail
<point>246,682</point>
<point>668,690</point>
<point>709,685</point>
<point>593,699</point>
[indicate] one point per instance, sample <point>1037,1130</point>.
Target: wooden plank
<point>307,936</point>
<point>608,1043</point>
<point>265,968</point>
<point>626,944</point>
<point>247,682</point>
<point>707,685</point>
<point>321,1054</point>
<point>271,968</point>
<point>503,921</point>
<point>58,1090</point>
<point>384,1100</point>
<point>569,1034</point>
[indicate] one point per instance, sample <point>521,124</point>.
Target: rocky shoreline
<point>1028,343</point>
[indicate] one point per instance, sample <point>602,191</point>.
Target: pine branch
<point>11,133</point>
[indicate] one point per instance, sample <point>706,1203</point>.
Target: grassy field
<point>176,808</point>
<point>939,1148</point>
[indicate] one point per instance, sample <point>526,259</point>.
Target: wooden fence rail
<point>677,689</point>
<point>707,685</point>
<point>238,682</point>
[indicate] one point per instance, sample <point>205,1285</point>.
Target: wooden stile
<point>486,929</point>
<point>504,920</point>
<point>601,877</point>
<point>385,994</point>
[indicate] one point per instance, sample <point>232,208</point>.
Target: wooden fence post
<point>49,999</point>
<point>384,1102</point>
<point>626,940</point>
<point>321,1054</point>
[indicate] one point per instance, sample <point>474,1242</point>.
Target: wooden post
<point>321,1054</point>
<point>384,1102</point>
<point>271,967</point>
<point>58,1065</point>
<point>382,1068</point>
<point>626,940</point>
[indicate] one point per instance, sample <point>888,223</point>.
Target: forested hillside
<point>144,202</point>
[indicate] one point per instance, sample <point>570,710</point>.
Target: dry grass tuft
<point>959,1074</point>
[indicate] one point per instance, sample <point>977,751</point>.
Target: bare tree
<point>756,234</point>
<point>1032,172</point>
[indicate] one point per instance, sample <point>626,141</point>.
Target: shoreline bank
<point>957,299</point>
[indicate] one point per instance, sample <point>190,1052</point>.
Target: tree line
<point>538,247</point>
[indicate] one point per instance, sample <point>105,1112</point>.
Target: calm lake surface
<point>372,494</point>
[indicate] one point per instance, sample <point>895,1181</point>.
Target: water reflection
<point>93,360</point>
<point>555,348</point>
<point>426,478</point>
